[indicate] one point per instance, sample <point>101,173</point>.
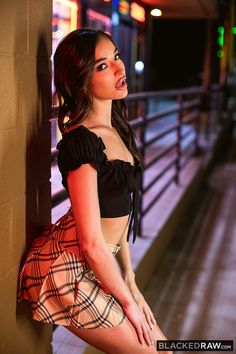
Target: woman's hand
<point>139,299</point>
<point>139,322</point>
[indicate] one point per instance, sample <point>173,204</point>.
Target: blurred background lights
<point>139,66</point>
<point>115,19</point>
<point>137,12</point>
<point>221,32</point>
<point>59,33</point>
<point>220,53</point>
<point>156,12</point>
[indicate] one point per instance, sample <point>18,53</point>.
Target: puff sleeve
<point>77,147</point>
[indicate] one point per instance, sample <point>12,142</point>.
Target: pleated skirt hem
<point>61,287</point>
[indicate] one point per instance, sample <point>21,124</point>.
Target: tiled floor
<point>193,292</point>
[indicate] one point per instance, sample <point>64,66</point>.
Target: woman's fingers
<point>144,334</point>
<point>140,334</point>
<point>147,335</point>
<point>147,312</point>
<point>148,316</point>
<point>149,320</point>
<point>138,315</point>
<point>153,319</point>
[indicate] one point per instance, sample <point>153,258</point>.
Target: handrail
<point>161,135</point>
<point>166,93</point>
<point>155,179</point>
<point>185,111</point>
<point>162,154</point>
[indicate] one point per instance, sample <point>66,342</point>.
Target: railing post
<point>208,116</point>
<point>143,152</point>
<point>197,128</point>
<point>220,106</point>
<point>178,136</point>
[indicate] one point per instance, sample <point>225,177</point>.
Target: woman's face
<point>108,80</point>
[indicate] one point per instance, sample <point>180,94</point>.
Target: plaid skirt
<point>59,284</point>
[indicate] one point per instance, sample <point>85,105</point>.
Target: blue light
<point>115,19</point>
<point>139,67</point>
<point>115,3</point>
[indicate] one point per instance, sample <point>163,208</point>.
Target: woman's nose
<point>119,69</point>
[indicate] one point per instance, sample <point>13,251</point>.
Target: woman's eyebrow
<point>101,59</point>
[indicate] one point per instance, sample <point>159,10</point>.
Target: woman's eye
<point>101,67</point>
<point>118,56</point>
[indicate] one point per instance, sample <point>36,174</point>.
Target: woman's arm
<point>124,260</point>
<point>82,184</point>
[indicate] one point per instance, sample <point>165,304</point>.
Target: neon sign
<point>137,12</point>
<point>124,7</point>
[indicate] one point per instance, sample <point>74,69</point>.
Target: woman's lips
<point>121,84</point>
<point>122,87</point>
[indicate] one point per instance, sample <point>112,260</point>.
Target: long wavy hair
<point>74,61</point>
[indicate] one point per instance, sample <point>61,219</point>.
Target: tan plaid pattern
<point>59,284</point>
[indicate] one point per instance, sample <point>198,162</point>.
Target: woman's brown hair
<point>74,61</point>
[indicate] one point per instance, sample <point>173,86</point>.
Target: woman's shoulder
<point>80,145</point>
<point>80,136</point>
<point>80,129</point>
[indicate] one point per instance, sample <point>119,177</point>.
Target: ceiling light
<point>156,12</point>
<point>139,67</point>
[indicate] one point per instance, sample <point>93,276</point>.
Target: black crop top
<point>117,179</point>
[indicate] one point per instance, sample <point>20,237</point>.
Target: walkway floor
<point>192,293</point>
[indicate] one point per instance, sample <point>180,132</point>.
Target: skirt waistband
<point>113,248</point>
<point>68,231</point>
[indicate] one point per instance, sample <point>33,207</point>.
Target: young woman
<point>70,276</point>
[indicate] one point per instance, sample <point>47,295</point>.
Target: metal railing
<point>178,124</point>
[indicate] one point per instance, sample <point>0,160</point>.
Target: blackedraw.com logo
<point>195,345</point>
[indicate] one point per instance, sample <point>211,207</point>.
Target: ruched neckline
<point>116,162</point>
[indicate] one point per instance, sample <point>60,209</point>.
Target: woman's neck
<point>100,114</point>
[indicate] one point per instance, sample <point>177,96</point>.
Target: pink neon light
<point>96,16</point>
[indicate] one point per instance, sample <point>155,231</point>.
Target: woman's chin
<point>121,94</point>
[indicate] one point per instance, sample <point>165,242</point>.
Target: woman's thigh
<point>121,339</point>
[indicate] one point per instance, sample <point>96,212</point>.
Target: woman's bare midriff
<point>114,228</point>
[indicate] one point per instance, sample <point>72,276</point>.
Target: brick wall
<point>25,71</point>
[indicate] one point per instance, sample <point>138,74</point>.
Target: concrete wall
<point>25,70</point>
